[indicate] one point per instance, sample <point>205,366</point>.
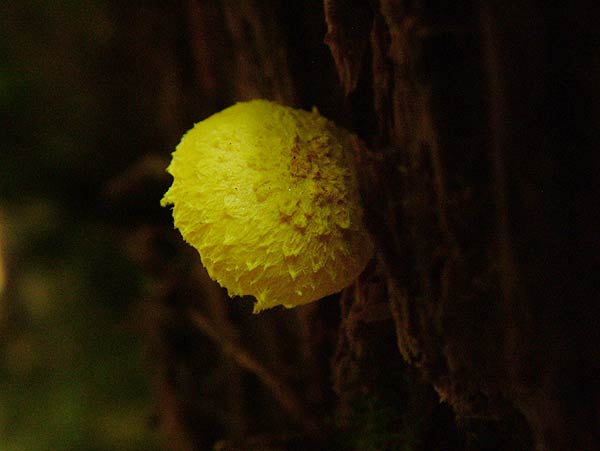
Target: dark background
<point>475,327</point>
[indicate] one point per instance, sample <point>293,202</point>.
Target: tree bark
<point>479,181</point>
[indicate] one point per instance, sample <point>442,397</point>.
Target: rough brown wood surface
<point>478,205</point>
<point>479,179</point>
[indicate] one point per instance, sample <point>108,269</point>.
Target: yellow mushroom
<point>266,195</point>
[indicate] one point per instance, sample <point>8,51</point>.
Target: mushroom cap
<point>265,194</point>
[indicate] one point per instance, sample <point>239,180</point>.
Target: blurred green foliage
<point>72,374</point>
<point>72,368</point>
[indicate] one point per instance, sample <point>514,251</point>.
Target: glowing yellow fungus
<point>266,195</point>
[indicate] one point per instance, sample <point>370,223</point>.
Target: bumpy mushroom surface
<point>265,194</point>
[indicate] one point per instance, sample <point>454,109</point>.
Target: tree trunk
<point>478,178</point>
